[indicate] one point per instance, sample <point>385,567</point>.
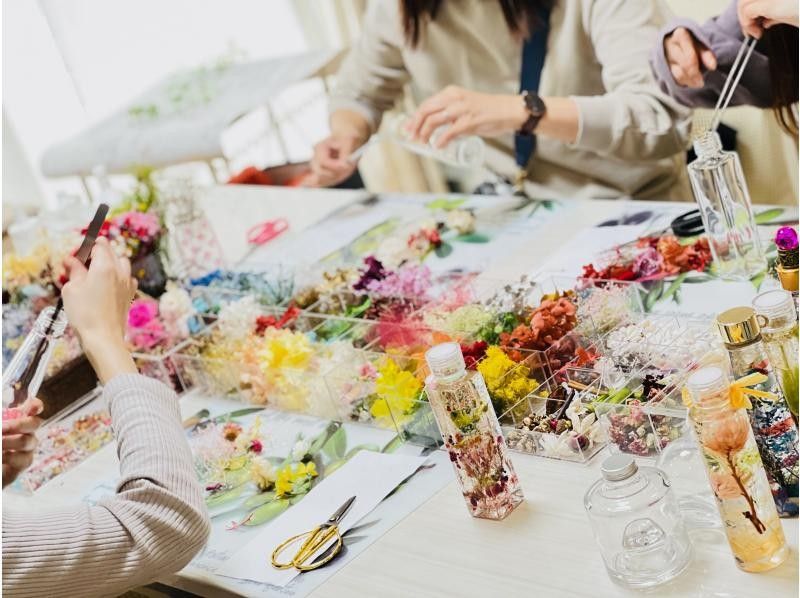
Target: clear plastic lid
<point>446,360</point>
<point>707,379</point>
<point>775,305</point>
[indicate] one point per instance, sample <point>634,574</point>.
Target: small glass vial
<point>464,152</point>
<point>25,373</point>
<point>779,334</point>
<point>736,473</point>
<point>471,433</point>
<point>773,425</point>
<point>637,524</point>
<point>721,193</point>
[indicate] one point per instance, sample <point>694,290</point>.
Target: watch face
<point>534,103</point>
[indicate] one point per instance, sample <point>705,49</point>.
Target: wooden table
<point>545,548</point>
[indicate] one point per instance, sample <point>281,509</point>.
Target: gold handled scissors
<point>325,534</point>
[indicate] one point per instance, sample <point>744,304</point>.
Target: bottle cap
<point>738,326</point>
<point>775,305</point>
<point>618,467</point>
<point>705,379</point>
<point>707,144</point>
<point>445,360</point>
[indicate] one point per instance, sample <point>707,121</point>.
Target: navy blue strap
<point>534,50</point>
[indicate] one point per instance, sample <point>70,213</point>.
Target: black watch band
<point>536,110</point>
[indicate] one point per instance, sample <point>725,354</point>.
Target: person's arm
<point>157,520</point>
<point>691,62</point>
<point>369,82</point>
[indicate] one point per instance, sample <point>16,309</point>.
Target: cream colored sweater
<point>153,526</point>
<point>632,136</point>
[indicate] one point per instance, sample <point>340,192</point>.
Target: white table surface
<point>545,548</point>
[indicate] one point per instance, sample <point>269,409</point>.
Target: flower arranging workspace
<point>287,371</point>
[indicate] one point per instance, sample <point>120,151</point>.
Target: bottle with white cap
<point>779,333</point>
<point>637,524</point>
<point>735,471</point>
<point>471,434</point>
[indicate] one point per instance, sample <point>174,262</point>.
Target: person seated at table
<point>157,520</point>
<point>692,61</point>
<point>603,128</point>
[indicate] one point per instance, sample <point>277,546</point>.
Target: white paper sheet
<point>368,475</point>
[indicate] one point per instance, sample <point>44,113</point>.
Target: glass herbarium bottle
<point>25,373</point>
<point>721,193</point>
<point>736,473</point>
<point>471,433</point>
<point>772,422</point>
<point>779,332</point>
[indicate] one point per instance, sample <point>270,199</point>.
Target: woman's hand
<point>329,164</point>
<point>19,440</point>
<point>97,302</point>
<point>757,15</point>
<point>466,112</point>
<point>684,56</point>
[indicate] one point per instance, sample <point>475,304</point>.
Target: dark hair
<point>520,16</point>
<point>782,46</point>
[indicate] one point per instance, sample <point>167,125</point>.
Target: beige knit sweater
<point>153,526</point>
<point>632,137</point>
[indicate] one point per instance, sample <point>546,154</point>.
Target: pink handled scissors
<point>267,231</point>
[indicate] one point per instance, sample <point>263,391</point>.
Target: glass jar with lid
<point>637,524</point>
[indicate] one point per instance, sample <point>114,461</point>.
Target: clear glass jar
<point>780,335</point>
<point>773,426</point>
<point>23,378</point>
<point>463,152</point>
<point>721,193</point>
<point>637,524</point>
<point>471,434</point>
<point>736,473</point>
<point>682,462</point>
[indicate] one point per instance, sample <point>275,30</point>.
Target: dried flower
<point>398,391</point>
<point>263,473</point>
<point>506,380</point>
<point>725,435</point>
<point>294,478</point>
<point>461,221</point>
<point>231,431</point>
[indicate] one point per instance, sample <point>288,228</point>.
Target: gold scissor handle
<point>314,540</point>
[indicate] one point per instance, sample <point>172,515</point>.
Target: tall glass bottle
<point>772,422</point>
<point>471,433</point>
<point>23,378</point>
<point>779,333</point>
<point>637,524</point>
<point>721,193</point>
<point>735,472</point>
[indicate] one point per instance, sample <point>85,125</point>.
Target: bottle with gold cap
<point>735,471</point>
<point>773,426</point>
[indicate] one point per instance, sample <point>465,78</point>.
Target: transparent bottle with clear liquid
<point>637,523</point>
<point>721,193</point>
<point>467,151</point>
<point>25,373</point>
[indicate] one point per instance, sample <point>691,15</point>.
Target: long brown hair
<point>781,43</point>
<point>520,16</point>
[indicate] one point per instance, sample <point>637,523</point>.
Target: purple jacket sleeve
<point>723,35</point>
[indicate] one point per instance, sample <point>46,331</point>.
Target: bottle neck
<point>47,325</point>
<point>708,145</point>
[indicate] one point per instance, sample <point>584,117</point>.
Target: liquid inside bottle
<point>471,433</point>
<point>463,152</point>
<point>25,373</point>
<point>637,524</point>
<point>721,193</point>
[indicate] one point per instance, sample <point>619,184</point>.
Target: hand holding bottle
<point>97,300</point>
<point>19,438</point>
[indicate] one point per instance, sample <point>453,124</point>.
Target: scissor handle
<point>314,540</point>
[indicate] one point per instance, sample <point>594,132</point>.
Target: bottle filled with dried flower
<point>471,433</point>
<point>735,471</point>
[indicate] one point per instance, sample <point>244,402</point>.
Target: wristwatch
<point>536,109</point>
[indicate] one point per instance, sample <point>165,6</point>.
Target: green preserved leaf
<point>220,498</point>
<point>266,512</point>
<point>768,216</point>
<point>444,250</point>
<point>472,238</point>
<point>336,446</point>
<point>258,500</point>
<point>674,286</point>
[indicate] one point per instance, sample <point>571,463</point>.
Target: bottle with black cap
<point>772,422</point>
<point>637,524</point>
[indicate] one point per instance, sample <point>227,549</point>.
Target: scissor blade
<point>342,511</point>
<point>92,231</point>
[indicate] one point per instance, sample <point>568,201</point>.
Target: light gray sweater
<point>153,526</point>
